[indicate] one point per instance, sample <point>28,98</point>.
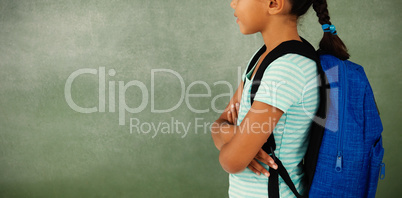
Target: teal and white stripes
<point>289,83</point>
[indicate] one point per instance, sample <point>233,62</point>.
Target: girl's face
<point>251,15</point>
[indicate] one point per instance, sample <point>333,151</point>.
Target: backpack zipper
<point>382,171</point>
<point>343,75</point>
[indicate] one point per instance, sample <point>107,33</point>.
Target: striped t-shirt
<point>290,84</point>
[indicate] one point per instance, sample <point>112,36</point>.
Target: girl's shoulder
<point>294,63</point>
<point>295,59</point>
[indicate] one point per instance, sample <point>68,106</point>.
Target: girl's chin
<point>245,32</point>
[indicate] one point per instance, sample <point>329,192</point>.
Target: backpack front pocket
<point>376,156</point>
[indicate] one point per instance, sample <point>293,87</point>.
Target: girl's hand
<point>257,168</point>
<point>233,113</point>
<point>254,165</point>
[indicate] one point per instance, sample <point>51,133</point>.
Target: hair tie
<point>329,28</point>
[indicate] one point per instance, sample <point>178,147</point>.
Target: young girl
<point>279,104</point>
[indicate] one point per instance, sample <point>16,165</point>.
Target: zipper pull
<point>382,171</point>
<point>338,167</point>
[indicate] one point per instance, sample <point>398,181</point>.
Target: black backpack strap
<point>305,49</point>
<point>317,127</point>
<point>273,186</point>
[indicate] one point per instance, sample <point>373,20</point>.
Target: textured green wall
<point>48,149</point>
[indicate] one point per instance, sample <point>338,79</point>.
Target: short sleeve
<point>281,85</point>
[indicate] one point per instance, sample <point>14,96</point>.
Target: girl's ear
<point>276,6</point>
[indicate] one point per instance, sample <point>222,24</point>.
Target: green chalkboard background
<point>123,50</point>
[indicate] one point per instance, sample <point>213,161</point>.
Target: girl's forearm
<point>222,132</point>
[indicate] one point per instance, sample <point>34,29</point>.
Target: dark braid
<point>330,44</point>
<point>321,8</point>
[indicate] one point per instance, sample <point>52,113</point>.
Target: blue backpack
<point>345,151</point>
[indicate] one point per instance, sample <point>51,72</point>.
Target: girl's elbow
<point>231,164</point>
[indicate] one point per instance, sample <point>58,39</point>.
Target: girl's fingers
<point>234,117</point>
<point>229,115</point>
<point>233,112</point>
<point>257,166</point>
<point>236,111</point>
<point>254,170</point>
<point>265,158</point>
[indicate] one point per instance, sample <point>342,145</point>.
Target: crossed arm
<point>240,146</point>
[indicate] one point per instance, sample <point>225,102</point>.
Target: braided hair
<point>330,43</point>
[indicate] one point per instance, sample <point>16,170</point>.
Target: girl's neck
<point>279,30</point>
